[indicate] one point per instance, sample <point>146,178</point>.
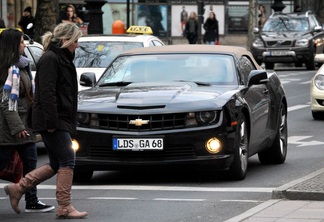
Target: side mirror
<point>318,28</point>
<point>88,79</point>
<point>256,30</point>
<point>257,77</point>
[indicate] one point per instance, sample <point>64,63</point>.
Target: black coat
<point>24,22</point>
<point>56,89</point>
<point>211,28</point>
<point>12,122</point>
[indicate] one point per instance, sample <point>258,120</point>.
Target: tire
<point>277,152</point>
<point>318,115</point>
<point>310,64</point>
<point>269,65</point>
<point>298,64</point>
<point>239,166</point>
<point>82,175</point>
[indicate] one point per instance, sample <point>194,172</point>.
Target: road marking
<point>298,140</point>
<point>160,188</point>
<point>247,201</point>
<point>111,198</point>
<point>296,107</point>
<point>173,199</point>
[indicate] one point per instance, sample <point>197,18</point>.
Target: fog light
<point>213,145</point>
<point>75,145</point>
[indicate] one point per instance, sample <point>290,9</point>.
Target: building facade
<point>166,17</point>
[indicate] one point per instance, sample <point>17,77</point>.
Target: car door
<point>258,98</point>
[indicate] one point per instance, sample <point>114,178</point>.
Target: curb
<point>310,187</point>
<point>253,211</point>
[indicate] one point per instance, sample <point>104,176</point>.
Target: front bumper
<point>317,98</point>
<point>181,148</point>
<point>281,55</point>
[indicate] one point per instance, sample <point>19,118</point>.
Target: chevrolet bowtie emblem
<point>138,122</point>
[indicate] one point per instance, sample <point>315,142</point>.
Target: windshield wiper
<point>120,83</point>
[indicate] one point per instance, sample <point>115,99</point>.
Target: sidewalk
<point>301,200</point>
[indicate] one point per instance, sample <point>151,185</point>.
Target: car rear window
<point>99,54</point>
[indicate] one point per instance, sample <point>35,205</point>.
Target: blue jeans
<point>59,148</point>
<point>210,42</point>
<point>28,155</point>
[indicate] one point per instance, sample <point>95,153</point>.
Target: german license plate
<point>278,53</point>
<point>137,144</point>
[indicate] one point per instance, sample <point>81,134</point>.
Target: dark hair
<point>9,51</point>
<point>28,9</point>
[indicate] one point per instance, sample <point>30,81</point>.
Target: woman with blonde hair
<point>191,28</point>
<point>54,117</point>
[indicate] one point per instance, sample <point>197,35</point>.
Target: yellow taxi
<point>96,51</point>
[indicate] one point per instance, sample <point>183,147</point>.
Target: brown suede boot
<point>33,178</point>
<point>63,195</point>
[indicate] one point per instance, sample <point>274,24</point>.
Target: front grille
<point>169,153</point>
<point>279,43</point>
<point>155,122</point>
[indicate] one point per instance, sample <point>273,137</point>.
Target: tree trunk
<point>252,21</point>
<point>45,18</point>
<point>318,8</point>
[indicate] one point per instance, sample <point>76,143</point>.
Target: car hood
<point>283,35</point>
<point>148,96</point>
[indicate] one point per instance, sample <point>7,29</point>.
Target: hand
<point>22,134</point>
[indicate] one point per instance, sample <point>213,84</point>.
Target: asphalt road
<point>175,196</point>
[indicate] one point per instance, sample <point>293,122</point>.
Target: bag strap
<point>27,91</point>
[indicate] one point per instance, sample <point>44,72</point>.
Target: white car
<point>33,51</point>
<point>317,90</point>
<point>96,51</point>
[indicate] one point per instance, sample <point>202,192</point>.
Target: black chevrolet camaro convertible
<point>181,106</point>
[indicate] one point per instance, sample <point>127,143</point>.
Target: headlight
<point>319,82</point>
<point>87,119</point>
<point>213,145</point>
<point>202,118</point>
<point>83,118</point>
<point>302,42</point>
<point>75,145</point>
<point>257,43</point>
<point>207,117</point>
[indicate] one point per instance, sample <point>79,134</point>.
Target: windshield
<point>290,24</point>
<point>199,68</point>
<point>99,54</point>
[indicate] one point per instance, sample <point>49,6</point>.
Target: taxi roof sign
<point>139,30</point>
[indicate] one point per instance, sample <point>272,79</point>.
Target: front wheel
<point>318,115</point>
<point>310,64</point>
<point>277,152</point>
<point>269,65</point>
<point>239,166</point>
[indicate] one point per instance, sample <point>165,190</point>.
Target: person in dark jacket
<point>27,22</point>
<point>54,117</point>
<point>191,28</point>
<point>16,83</point>
<point>211,29</point>
<point>2,24</point>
